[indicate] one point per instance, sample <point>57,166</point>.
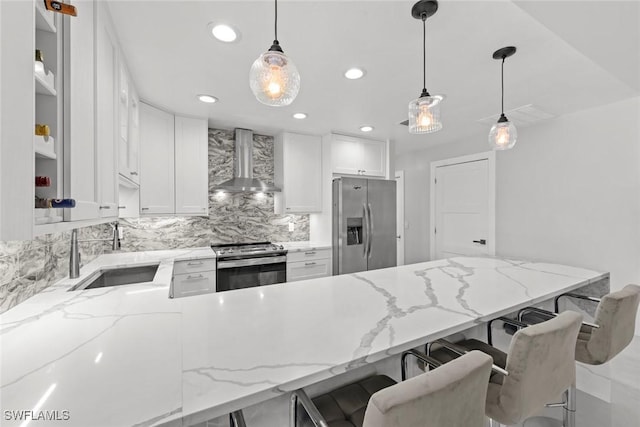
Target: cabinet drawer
<point>194,283</point>
<point>194,266</point>
<point>310,254</point>
<point>307,270</point>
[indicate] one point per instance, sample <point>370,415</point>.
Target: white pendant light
<point>424,112</point>
<point>503,134</point>
<point>274,78</point>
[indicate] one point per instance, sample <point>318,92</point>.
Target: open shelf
<point>44,148</point>
<point>46,216</point>
<point>44,18</point>
<point>43,87</point>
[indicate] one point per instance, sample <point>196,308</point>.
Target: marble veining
<point>29,267</point>
<point>188,360</point>
<point>391,312</point>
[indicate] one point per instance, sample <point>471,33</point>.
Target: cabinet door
<point>81,145</point>
<point>123,120</point>
<point>192,176</point>
<point>106,110</point>
<point>17,105</point>
<point>185,285</point>
<point>302,170</point>
<point>156,161</point>
<point>373,159</point>
<point>308,270</point>
<point>345,155</point>
<point>134,135</point>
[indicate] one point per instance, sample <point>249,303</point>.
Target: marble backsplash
<point>233,217</point>
<point>28,267</point>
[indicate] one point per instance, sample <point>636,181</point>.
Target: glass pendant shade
<point>503,135</point>
<point>274,79</point>
<point>424,114</point>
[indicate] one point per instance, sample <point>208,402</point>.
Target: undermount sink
<point>117,276</point>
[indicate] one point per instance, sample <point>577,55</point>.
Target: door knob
<point>481,241</point>
<point>398,236</point>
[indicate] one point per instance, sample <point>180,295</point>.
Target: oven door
<point>250,272</point>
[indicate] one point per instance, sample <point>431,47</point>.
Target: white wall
<point>571,192</point>
<point>568,192</point>
<point>416,167</point>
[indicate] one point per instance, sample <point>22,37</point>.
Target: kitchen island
<point>129,355</point>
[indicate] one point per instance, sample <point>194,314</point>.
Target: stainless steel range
<point>245,265</point>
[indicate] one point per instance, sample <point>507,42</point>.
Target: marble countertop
<point>130,356</point>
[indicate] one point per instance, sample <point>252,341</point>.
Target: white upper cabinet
<point>17,107</point>
<point>192,174</point>
<point>358,156</point>
<point>173,163</point>
<point>106,113</point>
<point>128,135</point>
<point>156,161</point>
<point>298,172</point>
<point>133,145</point>
<point>75,91</point>
<point>81,180</point>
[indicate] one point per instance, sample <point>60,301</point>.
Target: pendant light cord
<point>276,21</point>
<point>424,52</point>
<point>502,83</point>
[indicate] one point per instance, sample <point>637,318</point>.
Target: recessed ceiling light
<point>366,128</point>
<point>300,116</point>
<point>354,73</point>
<point>207,99</point>
<point>223,32</point>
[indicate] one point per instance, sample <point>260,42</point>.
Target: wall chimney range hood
<point>243,179</point>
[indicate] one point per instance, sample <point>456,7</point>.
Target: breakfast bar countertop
<point>129,355</point>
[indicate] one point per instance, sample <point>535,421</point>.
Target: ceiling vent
<point>526,115</point>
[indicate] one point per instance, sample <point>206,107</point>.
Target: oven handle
<point>251,261</point>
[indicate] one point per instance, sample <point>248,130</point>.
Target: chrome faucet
<point>74,254</point>
<point>115,239</point>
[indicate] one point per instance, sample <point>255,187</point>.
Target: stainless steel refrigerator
<point>364,224</point>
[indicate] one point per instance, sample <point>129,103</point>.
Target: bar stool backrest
<point>616,318</point>
<point>541,367</point>
<point>452,395</point>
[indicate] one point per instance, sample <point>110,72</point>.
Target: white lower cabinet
<point>310,264</point>
<point>194,277</point>
<point>173,163</point>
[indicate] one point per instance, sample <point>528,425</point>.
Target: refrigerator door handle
<point>370,237</point>
<point>365,243</point>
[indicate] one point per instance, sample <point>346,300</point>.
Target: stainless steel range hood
<point>243,179</point>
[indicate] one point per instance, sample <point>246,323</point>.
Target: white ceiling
<point>572,55</point>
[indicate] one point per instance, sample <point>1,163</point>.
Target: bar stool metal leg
<point>236,419</point>
<point>569,410</point>
<point>568,413</point>
<point>304,400</point>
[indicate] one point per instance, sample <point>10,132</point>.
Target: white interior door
<point>463,209</point>
<point>400,216</point>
